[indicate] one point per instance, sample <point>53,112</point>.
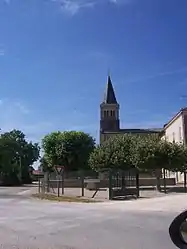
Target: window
<point>173,137</point>
<point>180,134</point>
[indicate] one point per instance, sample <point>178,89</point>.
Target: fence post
<point>165,181</point>
<point>58,185</point>
<point>39,185</point>
<point>110,184</point>
<point>82,182</point>
<point>185,181</point>
<point>137,184</point>
<point>48,183</point>
<point>62,183</point>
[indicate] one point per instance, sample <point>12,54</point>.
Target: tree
<point>16,157</point>
<point>44,166</point>
<point>69,148</point>
<point>154,154</point>
<point>145,153</point>
<point>116,152</point>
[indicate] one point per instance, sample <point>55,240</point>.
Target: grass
<point>51,197</point>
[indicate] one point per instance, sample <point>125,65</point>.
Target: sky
<point>55,56</point>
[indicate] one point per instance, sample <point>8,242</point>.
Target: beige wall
<point>104,137</point>
<point>175,131</point>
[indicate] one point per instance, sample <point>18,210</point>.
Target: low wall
<point>76,183</point>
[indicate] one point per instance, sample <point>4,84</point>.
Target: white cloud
<point>22,108</point>
<point>161,74</point>
<point>16,115</point>
<point>74,6</point>
<point>120,1</point>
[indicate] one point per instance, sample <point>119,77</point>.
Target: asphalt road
<point>28,223</point>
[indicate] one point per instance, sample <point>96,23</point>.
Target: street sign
<point>59,169</point>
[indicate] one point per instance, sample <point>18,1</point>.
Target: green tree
<point>70,149</point>
<point>44,166</point>
<point>145,153</point>
<point>16,157</point>
<point>154,154</point>
<point>116,152</point>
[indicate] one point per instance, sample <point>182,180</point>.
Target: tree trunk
<point>158,181</point>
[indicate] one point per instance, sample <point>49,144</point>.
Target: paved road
<point>28,223</point>
<point>16,192</point>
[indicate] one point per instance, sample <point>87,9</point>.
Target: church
<point>110,118</point>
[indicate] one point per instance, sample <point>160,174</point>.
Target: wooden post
<point>62,184</point>
<point>39,185</point>
<point>58,187</point>
<point>137,184</point>
<point>165,191</point>
<point>110,184</point>
<point>185,181</point>
<point>82,183</point>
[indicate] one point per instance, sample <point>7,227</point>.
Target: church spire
<point>109,97</point>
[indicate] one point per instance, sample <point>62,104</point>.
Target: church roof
<point>109,97</point>
<point>135,131</point>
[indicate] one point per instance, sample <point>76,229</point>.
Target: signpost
<point>59,170</point>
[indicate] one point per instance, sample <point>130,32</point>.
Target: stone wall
<point>76,183</point>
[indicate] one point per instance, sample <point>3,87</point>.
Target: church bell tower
<point>109,111</point>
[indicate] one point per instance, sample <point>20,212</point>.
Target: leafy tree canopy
<point>147,152</point>
<point>116,152</point>
<point>70,149</point>
<point>16,157</point>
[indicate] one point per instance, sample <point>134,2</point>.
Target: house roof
<point>180,112</point>
<point>37,172</point>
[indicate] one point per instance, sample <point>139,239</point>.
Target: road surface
<point>29,223</point>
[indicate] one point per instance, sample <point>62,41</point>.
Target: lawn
<point>51,197</point>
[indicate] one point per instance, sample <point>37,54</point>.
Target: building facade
<point>110,117</point>
<point>176,129</point>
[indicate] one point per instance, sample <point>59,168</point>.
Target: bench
<point>124,192</point>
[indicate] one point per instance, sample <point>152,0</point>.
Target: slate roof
<point>109,97</point>
<point>134,131</point>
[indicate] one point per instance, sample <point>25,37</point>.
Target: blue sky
<point>55,55</point>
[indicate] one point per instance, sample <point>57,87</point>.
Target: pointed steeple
<point>109,97</point>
